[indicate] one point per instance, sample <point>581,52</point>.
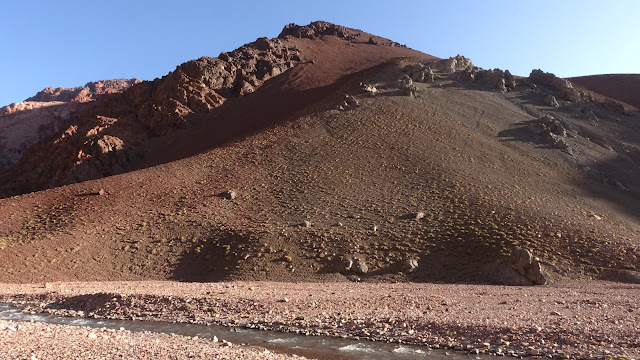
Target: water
<point>317,347</point>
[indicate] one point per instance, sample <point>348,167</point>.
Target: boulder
<point>520,269</point>
<point>410,265</point>
<point>360,266</point>
<point>550,100</point>
<point>523,262</point>
<point>229,195</point>
<point>454,64</point>
<point>509,80</point>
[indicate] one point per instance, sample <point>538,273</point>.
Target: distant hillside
<point>621,87</point>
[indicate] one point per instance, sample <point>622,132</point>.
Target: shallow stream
<point>317,347</point>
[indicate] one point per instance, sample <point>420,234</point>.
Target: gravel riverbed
<point>587,320</point>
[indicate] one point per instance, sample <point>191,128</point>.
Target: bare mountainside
<point>50,111</point>
<point>342,156</point>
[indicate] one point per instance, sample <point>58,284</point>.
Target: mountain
<point>328,153</point>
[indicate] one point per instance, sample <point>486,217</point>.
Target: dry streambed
<point>579,320</point>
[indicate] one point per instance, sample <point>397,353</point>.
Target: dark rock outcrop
<point>559,86</point>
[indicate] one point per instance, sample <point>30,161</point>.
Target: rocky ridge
<point>91,91</point>
<point>47,113</point>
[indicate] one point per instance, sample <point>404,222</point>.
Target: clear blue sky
<point>68,43</point>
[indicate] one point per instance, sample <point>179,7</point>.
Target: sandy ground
<point>575,320</point>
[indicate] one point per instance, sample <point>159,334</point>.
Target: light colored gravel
<point>25,340</point>
<point>577,320</point>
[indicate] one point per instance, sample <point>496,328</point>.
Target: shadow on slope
<point>277,101</point>
<point>617,181</point>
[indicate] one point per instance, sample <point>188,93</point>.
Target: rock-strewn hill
<point>343,156</point>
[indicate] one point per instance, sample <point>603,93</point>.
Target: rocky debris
<point>410,265</point>
<point>228,194</point>
<point>550,100</point>
<point>368,88</point>
<point>560,86</point>
<point>522,261</point>
<point>420,73</point>
<point>306,224</point>
<point>419,215</point>
<point>349,102</point>
<point>89,92</point>
<point>372,41</point>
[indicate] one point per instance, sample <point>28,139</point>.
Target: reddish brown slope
<point>621,87</point>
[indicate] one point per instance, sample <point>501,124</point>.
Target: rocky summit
<point>326,153</point>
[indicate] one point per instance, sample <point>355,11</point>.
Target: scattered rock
<point>372,90</point>
<point>345,265</point>
<point>229,195</point>
<point>306,224</point>
<point>419,215</point>
<point>359,266</point>
<point>348,103</point>
<point>410,265</point>
<point>372,41</point>
<point>550,100</point>
<point>405,83</point>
